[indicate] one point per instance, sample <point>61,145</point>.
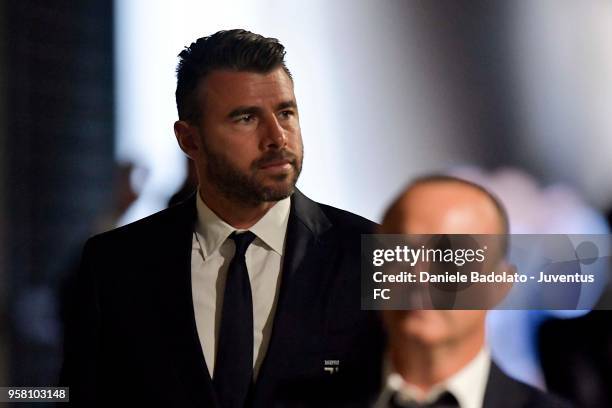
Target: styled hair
<point>236,50</point>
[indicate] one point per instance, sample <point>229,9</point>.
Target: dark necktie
<point>233,371</point>
<point>445,400</point>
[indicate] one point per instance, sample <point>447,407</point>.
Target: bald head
<point>445,205</point>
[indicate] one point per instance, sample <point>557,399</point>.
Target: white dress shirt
<point>468,385</point>
<point>211,254</point>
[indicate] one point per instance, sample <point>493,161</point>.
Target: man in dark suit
<point>439,358</point>
<point>246,292</point>
<point>576,358</point>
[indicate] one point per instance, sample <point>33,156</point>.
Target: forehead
<point>451,208</point>
<point>227,89</point>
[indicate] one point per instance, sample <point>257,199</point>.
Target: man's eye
<point>286,114</point>
<point>246,118</point>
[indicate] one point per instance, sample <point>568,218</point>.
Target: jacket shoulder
<point>503,390</point>
<point>347,220</point>
<point>148,227</point>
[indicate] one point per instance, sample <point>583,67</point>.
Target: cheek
<point>241,150</point>
<point>227,138</point>
<point>294,138</point>
<point>468,321</point>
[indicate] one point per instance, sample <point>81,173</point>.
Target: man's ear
<point>188,138</point>
<point>508,267</point>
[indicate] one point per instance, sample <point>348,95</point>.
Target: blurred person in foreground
<point>439,358</point>
<point>244,289</point>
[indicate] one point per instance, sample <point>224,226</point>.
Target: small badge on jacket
<point>331,366</point>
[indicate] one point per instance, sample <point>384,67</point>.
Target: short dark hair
<point>237,50</point>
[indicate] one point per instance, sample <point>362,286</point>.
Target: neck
<point>238,215</point>
<point>424,365</point>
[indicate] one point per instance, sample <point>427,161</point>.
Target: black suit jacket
<point>131,335</point>
<point>505,392</point>
<point>576,357</point>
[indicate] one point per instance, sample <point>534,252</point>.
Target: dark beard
<point>245,188</point>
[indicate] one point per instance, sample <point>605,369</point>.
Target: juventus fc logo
<point>331,366</point>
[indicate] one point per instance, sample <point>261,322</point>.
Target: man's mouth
<point>283,160</point>
<point>276,165</point>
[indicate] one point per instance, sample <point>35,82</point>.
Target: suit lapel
<point>303,279</point>
<point>502,391</point>
<point>306,224</point>
<point>172,260</point>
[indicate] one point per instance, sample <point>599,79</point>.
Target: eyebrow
<point>251,110</point>
<point>286,104</point>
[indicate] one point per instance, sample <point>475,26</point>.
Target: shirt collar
<point>270,229</point>
<point>467,385</point>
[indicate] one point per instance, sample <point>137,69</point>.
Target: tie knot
<point>242,241</point>
<point>445,400</point>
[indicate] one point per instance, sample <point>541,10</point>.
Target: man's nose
<point>275,135</point>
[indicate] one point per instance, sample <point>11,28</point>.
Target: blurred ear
<point>508,267</point>
<point>188,138</point>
